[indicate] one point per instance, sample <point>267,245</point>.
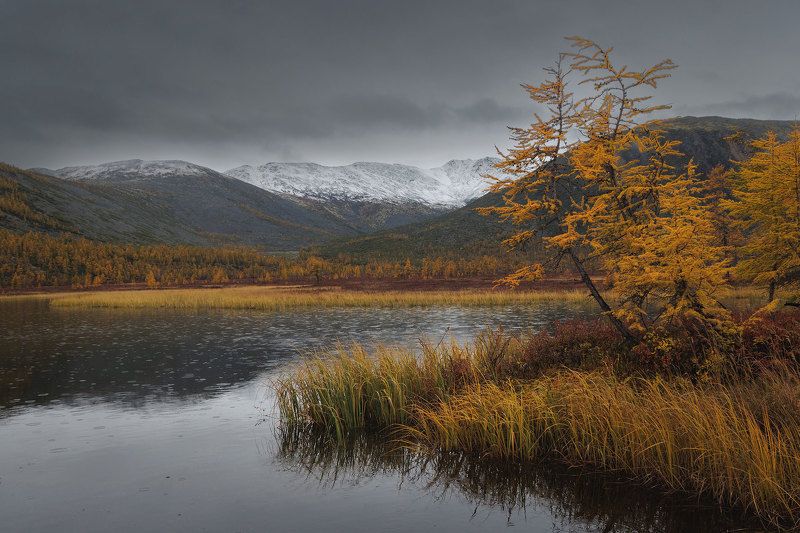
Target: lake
<point>157,420</point>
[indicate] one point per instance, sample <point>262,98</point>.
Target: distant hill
<point>327,201</point>
<point>703,138</point>
<point>464,232</point>
<point>161,202</point>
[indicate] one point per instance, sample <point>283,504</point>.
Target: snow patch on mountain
<point>132,169</point>
<point>452,184</point>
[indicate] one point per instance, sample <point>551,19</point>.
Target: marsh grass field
<point>279,298</point>
<point>283,297</point>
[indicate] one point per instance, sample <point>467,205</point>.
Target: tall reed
<point>670,433</point>
<point>348,389</point>
<point>737,442</point>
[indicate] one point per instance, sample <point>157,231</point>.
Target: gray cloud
<point>381,111</point>
<point>489,110</point>
<point>398,113</point>
<point>226,82</point>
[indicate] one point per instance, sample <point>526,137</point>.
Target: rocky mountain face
<point>373,196</point>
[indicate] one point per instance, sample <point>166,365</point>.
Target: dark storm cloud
<point>227,82</point>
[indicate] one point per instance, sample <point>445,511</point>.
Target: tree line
<point>38,259</point>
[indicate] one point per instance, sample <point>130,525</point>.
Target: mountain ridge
<point>375,209</point>
<point>450,185</point>
<point>350,213</point>
<point>129,169</point>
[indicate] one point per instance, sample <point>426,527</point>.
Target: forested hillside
<point>201,209</point>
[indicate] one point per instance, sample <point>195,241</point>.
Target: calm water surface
<point>163,421</point>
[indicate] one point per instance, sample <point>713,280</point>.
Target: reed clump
<point>714,441</point>
<point>733,437</point>
<point>279,298</point>
<point>350,389</point>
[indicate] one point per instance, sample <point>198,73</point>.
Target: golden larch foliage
<point>767,208</point>
<point>593,178</point>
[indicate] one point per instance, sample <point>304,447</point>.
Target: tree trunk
<point>771,290</point>
<point>620,326</point>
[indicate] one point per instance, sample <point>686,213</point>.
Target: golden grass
<point>348,388</point>
<point>738,443</point>
<point>281,298</point>
<point>672,433</point>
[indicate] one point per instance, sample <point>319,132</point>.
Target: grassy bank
<point>280,298</point>
<point>734,440</point>
<point>715,441</point>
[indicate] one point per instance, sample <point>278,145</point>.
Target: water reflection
<point>115,420</point>
<point>574,501</point>
<point>138,356</point>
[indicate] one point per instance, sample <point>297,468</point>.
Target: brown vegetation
<point>576,393</point>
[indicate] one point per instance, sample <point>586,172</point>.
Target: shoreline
<point>371,293</point>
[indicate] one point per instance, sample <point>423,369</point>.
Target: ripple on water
<point>164,420</point>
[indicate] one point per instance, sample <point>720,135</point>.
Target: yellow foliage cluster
<point>766,207</point>
<point>574,185</point>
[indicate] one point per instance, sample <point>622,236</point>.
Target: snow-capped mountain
<point>452,185</point>
<point>179,202</point>
<point>362,197</point>
<point>132,169</point>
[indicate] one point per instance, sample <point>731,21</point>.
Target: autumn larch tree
<point>572,183</point>
<point>767,206</point>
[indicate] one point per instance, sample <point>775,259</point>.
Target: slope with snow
<point>451,185</point>
<point>180,202</point>
<point>132,169</point>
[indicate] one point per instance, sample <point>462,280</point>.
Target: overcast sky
<point>224,83</point>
